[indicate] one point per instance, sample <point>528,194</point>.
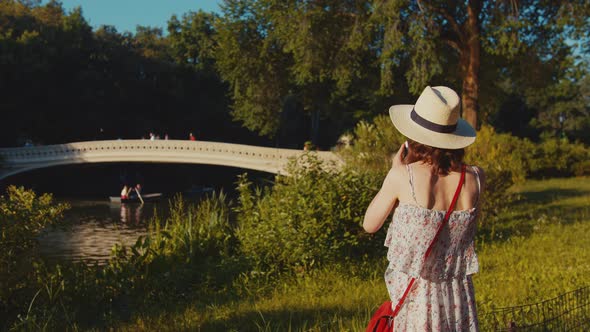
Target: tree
<point>150,42</point>
<point>323,40</point>
<point>271,52</point>
<point>563,107</point>
<point>254,66</point>
<point>449,38</point>
<point>192,39</point>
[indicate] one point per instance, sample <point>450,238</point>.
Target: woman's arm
<point>381,205</point>
<point>386,198</point>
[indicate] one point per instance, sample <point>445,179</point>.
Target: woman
<point>419,189</point>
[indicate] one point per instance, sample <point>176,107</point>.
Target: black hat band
<point>431,125</point>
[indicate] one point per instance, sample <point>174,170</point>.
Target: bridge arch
<point>273,160</point>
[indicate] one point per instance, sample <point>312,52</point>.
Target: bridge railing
<point>567,312</point>
<point>268,159</point>
<point>77,148</point>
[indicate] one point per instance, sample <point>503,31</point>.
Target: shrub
<point>558,157</point>
<point>190,252</point>
<point>373,145</point>
<point>503,158</point>
<point>311,217</point>
<point>188,249</point>
<point>23,215</point>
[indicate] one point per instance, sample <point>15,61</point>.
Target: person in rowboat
<point>125,192</point>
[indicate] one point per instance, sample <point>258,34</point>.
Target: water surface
<point>91,228</point>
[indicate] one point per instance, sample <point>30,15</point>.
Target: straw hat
<point>434,120</point>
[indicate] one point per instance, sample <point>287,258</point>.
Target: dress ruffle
<point>411,232</point>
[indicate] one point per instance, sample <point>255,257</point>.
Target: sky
<point>125,15</point>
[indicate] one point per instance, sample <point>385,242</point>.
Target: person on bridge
<point>431,253</point>
<point>192,137</point>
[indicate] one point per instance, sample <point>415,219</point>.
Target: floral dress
<point>442,297</point>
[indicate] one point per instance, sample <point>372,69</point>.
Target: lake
<point>93,225</point>
<point>91,228</point>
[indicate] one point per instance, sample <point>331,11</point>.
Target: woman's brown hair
<point>443,160</point>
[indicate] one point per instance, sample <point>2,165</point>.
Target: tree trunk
<point>470,62</point>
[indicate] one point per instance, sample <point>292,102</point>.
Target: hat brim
<point>463,136</point>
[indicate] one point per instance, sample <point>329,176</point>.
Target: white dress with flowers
<point>442,297</point>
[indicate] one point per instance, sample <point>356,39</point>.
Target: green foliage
<point>254,66</point>
<point>562,107</point>
<point>558,157</point>
<point>503,159</point>
<point>374,145</point>
<point>191,252</point>
<point>286,62</point>
<point>23,215</point>
<point>192,39</point>
<point>308,218</point>
<point>95,75</point>
<point>273,52</point>
<point>192,238</point>
<point>545,257</point>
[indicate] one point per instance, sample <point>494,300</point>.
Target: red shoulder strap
<point>442,224</point>
<point>449,211</point>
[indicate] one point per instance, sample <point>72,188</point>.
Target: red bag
<point>382,320</point>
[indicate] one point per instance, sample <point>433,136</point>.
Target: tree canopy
<point>292,70</point>
<point>328,54</point>
<point>62,81</point>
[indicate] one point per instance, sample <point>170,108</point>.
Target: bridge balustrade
<point>273,160</point>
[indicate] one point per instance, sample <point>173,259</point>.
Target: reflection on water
<point>130,213</point>
<point>92,228</point>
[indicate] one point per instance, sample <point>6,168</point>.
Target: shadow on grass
<point>536,209</point>
<point>551,195</point>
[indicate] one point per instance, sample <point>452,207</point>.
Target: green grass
<point>539,249</point>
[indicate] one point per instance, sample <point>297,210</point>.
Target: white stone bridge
<point>272,160</point>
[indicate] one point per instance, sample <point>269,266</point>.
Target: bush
<point>503,158</point>
<point>190,248</point>
<point>558,157</point>
<point>373,145</point>
<point>23,215</point>
<point>191,252</point>
<point>311,217</point>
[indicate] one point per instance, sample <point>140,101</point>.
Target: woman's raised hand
<point>398,158</point>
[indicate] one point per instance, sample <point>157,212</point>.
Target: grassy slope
<point>541,250</point>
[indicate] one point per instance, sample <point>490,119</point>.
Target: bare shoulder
<point>396,175</point>
<point>398,172</point>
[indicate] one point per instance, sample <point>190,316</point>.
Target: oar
<point>139,195</point>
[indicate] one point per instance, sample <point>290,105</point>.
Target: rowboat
<point>135,199</point>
